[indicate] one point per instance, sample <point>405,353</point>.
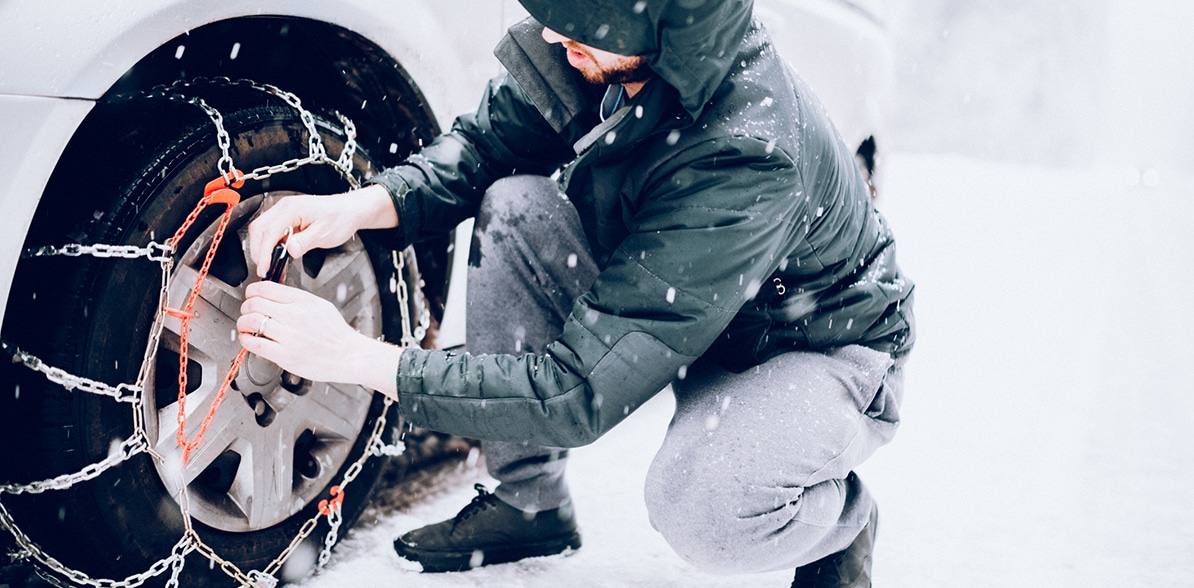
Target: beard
<point>627,73</point>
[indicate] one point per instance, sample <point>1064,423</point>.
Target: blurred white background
<point>1070,83</point>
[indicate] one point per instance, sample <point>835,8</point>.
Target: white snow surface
<point>1048,423</point>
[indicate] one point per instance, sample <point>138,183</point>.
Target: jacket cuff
<point>409,382</point>
<point>401,236</point>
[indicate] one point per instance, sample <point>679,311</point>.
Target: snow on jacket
<point>728,219</point>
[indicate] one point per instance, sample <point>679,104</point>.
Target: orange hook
<point>326,506</point>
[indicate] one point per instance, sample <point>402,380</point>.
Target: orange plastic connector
<point>326,506</point>
<point>220,183</point>
<point>226,196</point>
<point>176,313</point>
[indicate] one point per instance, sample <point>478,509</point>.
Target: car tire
<point>133,184</point>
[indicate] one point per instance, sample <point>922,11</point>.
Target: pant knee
<point>725,525</point>
<point>520,219</point>
<point>714,528</point>
<point>528,262</point>
<point>516,195</point>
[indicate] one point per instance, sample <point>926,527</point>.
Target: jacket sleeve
<point>441,185</point>
<point>704,237</point>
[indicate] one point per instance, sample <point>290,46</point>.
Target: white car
<point>119,118</point>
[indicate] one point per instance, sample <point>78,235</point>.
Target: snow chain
<point>162,253</point>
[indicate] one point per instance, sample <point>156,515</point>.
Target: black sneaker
<point>848,568</point>
<point>489,531</point>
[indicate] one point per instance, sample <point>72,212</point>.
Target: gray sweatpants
<point>755,472</point>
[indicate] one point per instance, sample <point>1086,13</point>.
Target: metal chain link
<point>129,393</point>
<point>349,475</point>
<point>151,350</point>
<point>329,541</point>
<point>225,566</point>
<point>132,393</point>
<point>159,252</point>
<point>32,551</point>
<point>388,450</point>
<point>262,580</point>
<point>344,162</point>
<point>128,448</point>
<point>223,139</point>
<point>399,260</point>
<point>175,571</point>
<point>316,152</point>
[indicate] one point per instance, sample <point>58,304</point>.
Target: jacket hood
<point>690,44</point>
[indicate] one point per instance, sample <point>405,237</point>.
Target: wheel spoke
<point>214,291</point>
<point>335,409</point>
<point>344,275</point>
<point>223,432</point>
<point>264,482</point>
<point>231,422</point>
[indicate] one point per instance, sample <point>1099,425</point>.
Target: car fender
<point>58,57</point>
<point>89,45</point>
<point>33,126</point>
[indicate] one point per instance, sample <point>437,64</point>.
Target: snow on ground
<point>1048,436</point>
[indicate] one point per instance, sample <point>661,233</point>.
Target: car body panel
<point>33,127</point>
<point>89,45</point>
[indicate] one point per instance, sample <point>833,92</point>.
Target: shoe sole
<point>455,561</point>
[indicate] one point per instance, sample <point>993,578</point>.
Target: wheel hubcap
<point>276,440</point>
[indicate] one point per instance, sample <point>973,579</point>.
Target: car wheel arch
<point>330,68</point>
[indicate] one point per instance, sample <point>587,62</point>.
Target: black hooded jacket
<point>728,218</point>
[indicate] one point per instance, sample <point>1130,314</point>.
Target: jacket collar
<point>542,70</point>
<point>569,103</point>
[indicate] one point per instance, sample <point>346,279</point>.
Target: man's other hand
<point>306,336</point>
<point>318,222</point>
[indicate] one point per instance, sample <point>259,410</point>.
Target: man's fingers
<point>261,346</point>
<point>265,291</point>
<point>272,292</point>
<point>296,245</point>
<point>258,231</point>
<point>252,323</point>
<point>269,228</point>
<point>262,237</point>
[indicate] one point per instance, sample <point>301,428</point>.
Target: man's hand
<point>319,222</point>
<point>306,336</point>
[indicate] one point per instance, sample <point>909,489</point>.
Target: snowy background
<point>1038,176</point>
<point>1066,83</point>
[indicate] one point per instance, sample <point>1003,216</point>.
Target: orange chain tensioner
<point>221,190</point>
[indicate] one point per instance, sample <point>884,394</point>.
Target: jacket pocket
<point>743,344</point>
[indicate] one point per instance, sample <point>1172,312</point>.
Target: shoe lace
<point>483,500</point>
